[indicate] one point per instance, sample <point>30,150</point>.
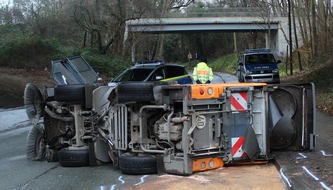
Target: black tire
<point>36,147</point>
<point>135,92</point>
<point>73,158</point>
<point>70,93</point>
<point>33,103</point>
<point>138,165</point>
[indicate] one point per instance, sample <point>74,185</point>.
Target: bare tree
<point>296,38</point>
<point>314,30</point>
<point>104,22</point>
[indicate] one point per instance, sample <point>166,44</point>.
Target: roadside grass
<point>321,76</point>
<point>226,64</point>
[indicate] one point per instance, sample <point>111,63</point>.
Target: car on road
<point>154,71</point>
<point>258,65</point>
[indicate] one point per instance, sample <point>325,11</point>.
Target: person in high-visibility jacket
<point>202,74</point>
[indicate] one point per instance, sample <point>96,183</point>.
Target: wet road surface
<point>310,169</point>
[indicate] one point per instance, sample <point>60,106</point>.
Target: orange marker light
<point>205,164</point>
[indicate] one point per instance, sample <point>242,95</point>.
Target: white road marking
<point>302,156</point>
<point>325,186</point>
<point>122,181</point>
<point>307,171</point>
<point>142,180</point>
<point>324,154</point>
<point>285,177</point>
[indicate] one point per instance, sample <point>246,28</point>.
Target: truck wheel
<point>36,143</point>
<point>73,158</point>
<point>138,165</point>
<point>70,93</point>
<point>33,103</point>
<point>135,92</point>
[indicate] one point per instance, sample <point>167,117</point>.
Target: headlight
<point>248,72</point>
<point>275,70</point>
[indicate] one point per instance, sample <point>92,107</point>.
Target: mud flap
<point>251,145</point>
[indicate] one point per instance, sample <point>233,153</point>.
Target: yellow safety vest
<point>203,73</point>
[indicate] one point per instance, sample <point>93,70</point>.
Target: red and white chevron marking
<point>238,101</point>
<point>237,144</point>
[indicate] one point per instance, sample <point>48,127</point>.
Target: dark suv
<point>258,65</point>
<point>154,70</point>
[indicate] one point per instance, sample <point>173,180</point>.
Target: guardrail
<point>224,12</point>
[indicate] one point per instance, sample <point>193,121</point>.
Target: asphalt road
<point>19,173</point>
<point>310,170</point>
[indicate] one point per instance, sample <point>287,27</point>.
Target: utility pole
<point>290,39</point>
<point>235,42</point>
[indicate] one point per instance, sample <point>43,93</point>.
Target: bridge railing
<point>225,12</point>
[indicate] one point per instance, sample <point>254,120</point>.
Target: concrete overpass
<point>278,27</point>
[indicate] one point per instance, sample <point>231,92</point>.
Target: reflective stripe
<point>203,75</point>
<point>173,78</point>
<point>201,72</point>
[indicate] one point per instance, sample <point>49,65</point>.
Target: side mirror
<point>278,61</point>
<point>240,63</point>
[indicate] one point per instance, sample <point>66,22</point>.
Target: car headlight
<point>248,72</point>
<point>275,70</point>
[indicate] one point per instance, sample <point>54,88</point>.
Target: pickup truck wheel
<point>138,165</point>
<point>73,158</point>
<point>135,92</point>
<point>36,143</point>
<point>33,103</point>
<point>70,93</point>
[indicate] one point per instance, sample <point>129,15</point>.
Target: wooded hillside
<point>35,31</point>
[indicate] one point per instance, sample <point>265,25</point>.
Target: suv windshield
<point>259,58</point>
<point>139,74</point>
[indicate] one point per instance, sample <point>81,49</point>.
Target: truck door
<point>291,117</point>
<point>73,70</point>
<point>246,124</point>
